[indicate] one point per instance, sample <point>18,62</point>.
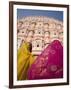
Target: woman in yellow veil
<point>24,60</point>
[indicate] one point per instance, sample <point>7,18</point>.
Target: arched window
<point>58,26</point>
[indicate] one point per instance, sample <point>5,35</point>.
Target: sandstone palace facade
<point>40,31</point>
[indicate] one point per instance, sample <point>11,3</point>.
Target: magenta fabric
<point>49,64</point>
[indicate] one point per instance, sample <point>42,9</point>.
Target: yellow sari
<point>24,61</point>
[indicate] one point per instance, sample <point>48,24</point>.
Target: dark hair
<point>30,47</point>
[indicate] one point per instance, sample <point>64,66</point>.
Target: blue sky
<point>29,12</point>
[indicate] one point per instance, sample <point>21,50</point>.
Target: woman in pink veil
<point>49,64</point>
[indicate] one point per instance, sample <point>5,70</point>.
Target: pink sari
<point>49,64</point>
